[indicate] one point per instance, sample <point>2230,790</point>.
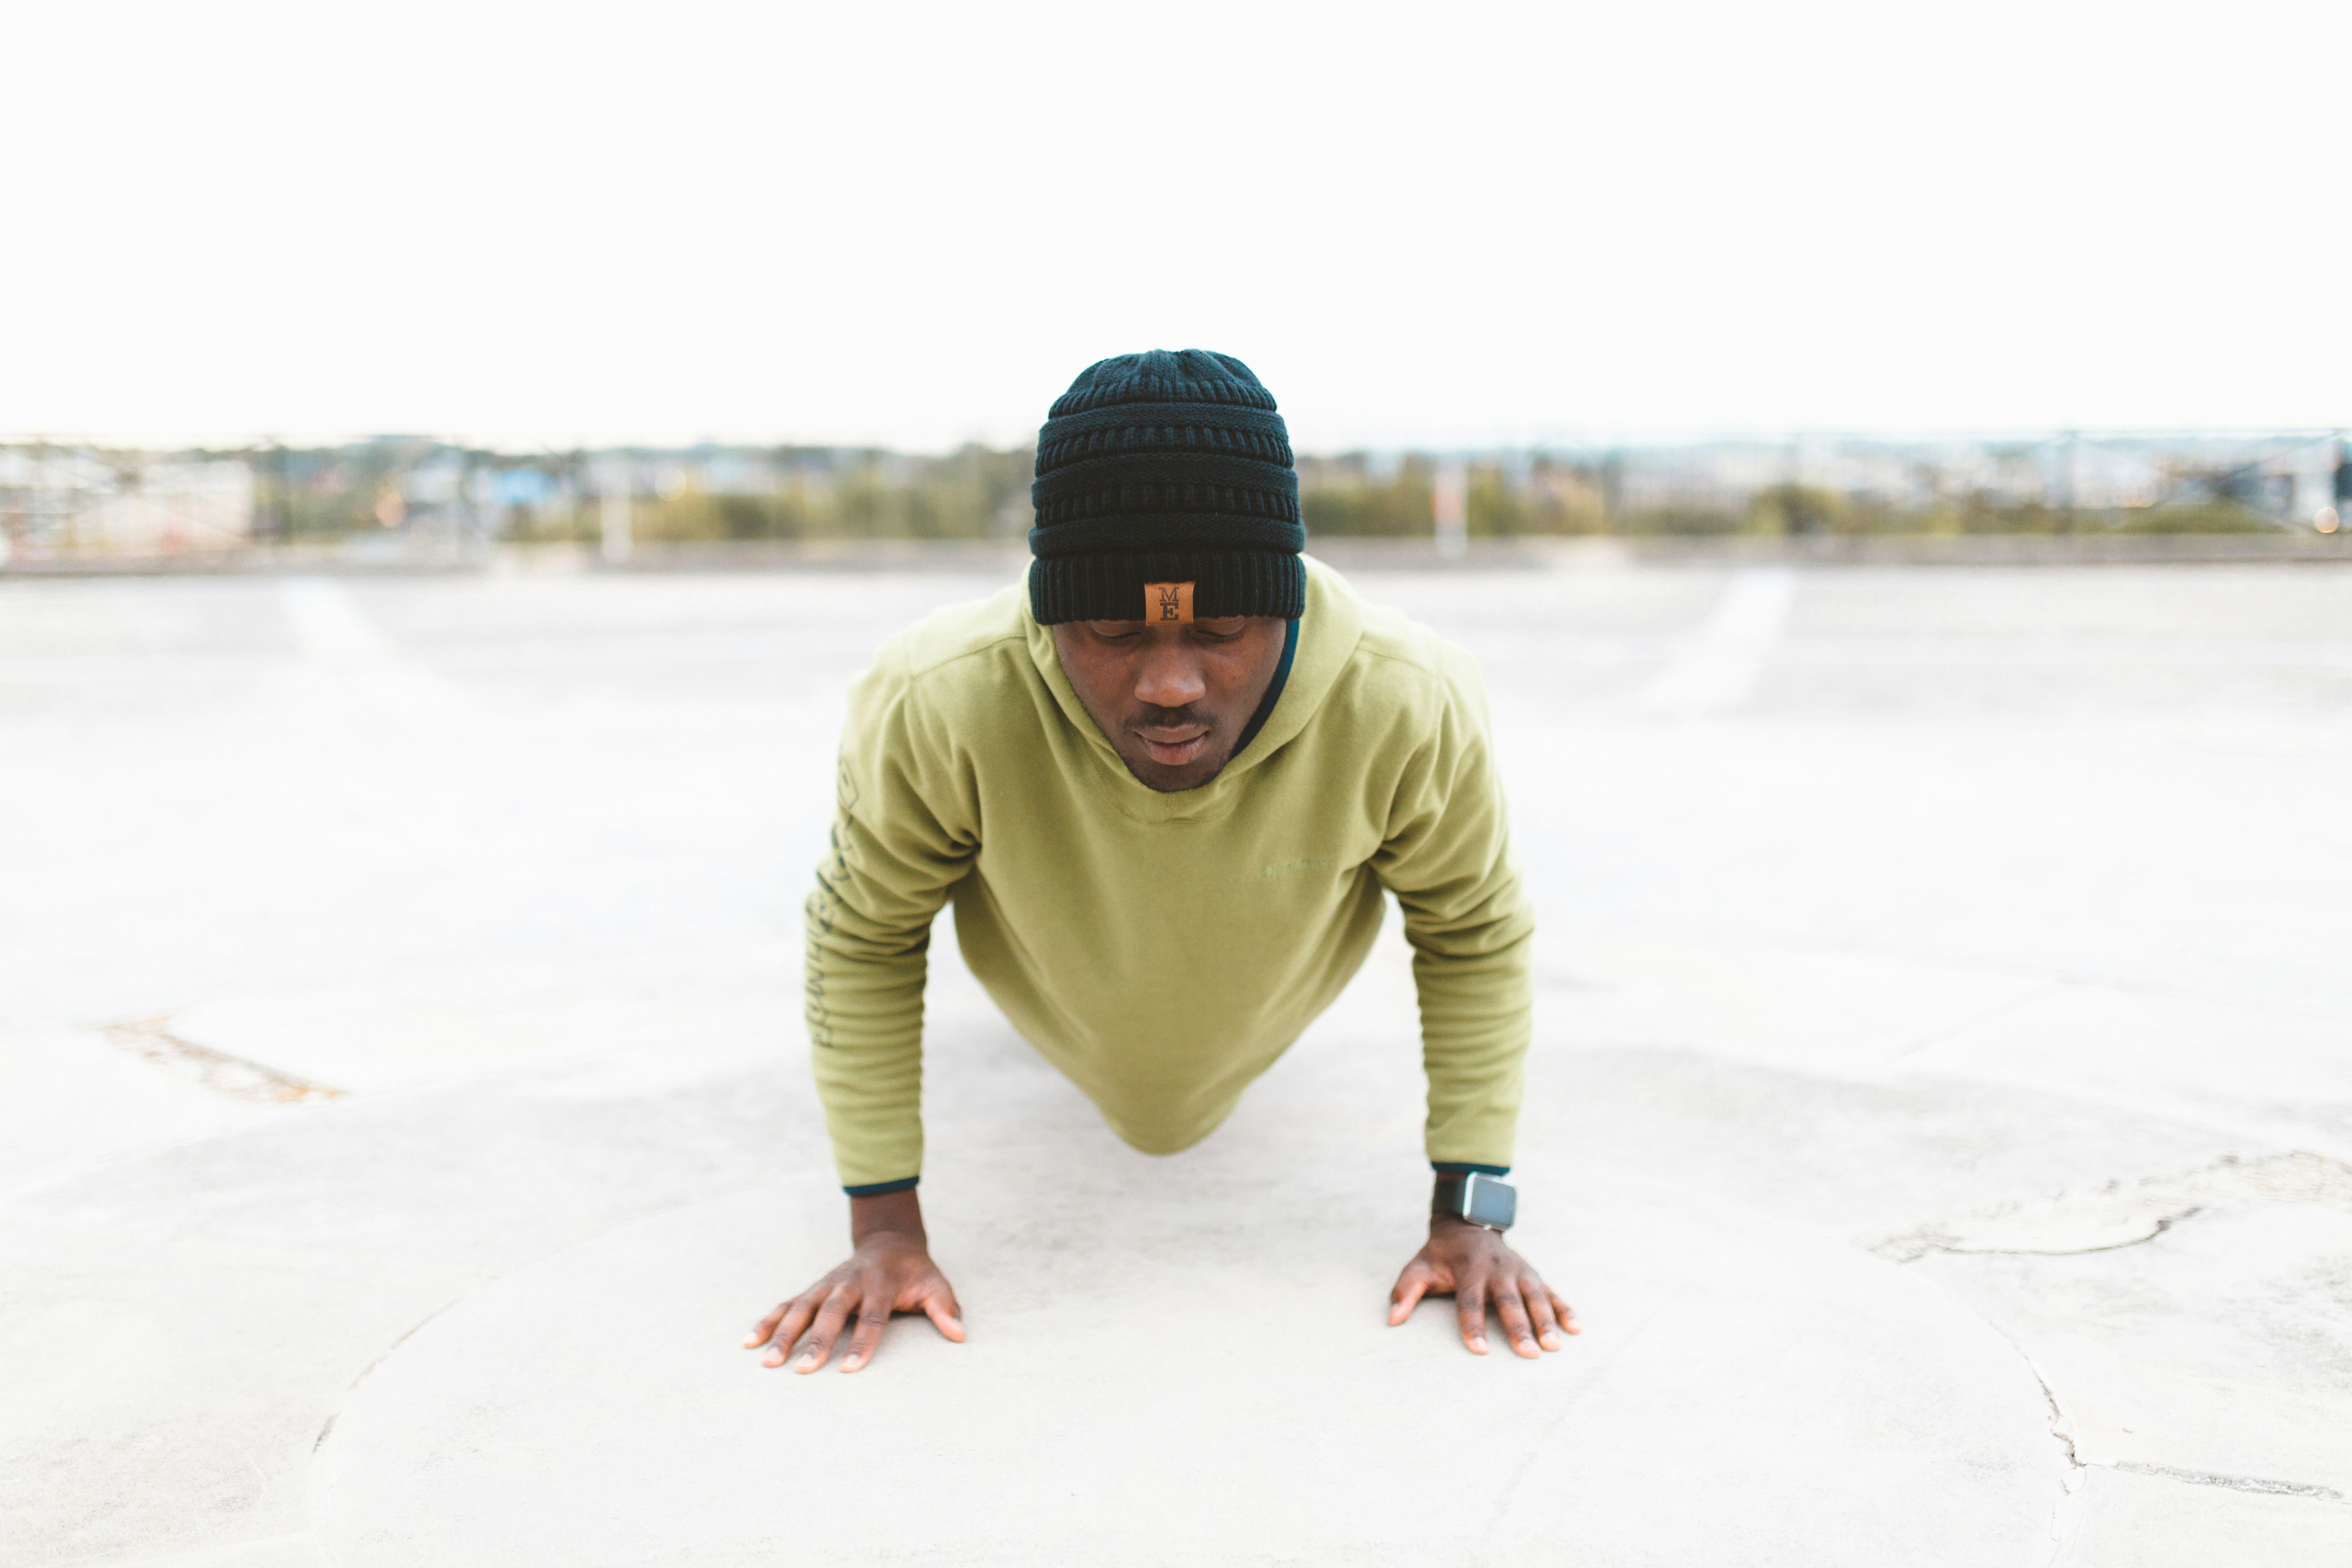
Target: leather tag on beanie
<point>1167,602</point>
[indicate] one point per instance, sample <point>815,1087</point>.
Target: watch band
<point>1445,1197</point>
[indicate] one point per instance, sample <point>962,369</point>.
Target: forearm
<point>890,863</point>
<point>1477,1019</point>
<point>865,1052</point>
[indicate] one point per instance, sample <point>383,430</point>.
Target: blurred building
<point>2294,479</point>
<point>90,501</point>
<point>66,500</point>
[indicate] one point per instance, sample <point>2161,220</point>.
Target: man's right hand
<point>891,1271</point>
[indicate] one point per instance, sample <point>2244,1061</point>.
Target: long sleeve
<point>1447,859</point>
<point>896,849</point>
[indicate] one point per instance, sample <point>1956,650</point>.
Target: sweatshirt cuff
<point>877,1189</point>
<point>1462,1168</point>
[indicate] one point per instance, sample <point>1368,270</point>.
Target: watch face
<point>1491,1203</point>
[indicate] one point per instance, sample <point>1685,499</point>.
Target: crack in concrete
<point>483,1282</point>
<point>223,1074</point>
<point>2058,1426</point>
<point>1502,1506</point>
<point>2156,1204</point>
<point>2066,1518</point>
<point>2234,1483</point>
<point>2119,1216</point>
<point>1977,1020</point>
<point>385,1354</point>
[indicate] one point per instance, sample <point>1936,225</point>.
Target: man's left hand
<point>1479,1269</point>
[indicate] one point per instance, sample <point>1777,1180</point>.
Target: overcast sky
<point>914,224</point>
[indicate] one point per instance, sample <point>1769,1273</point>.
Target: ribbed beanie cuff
<point>1166,468</point>
<point>1111,587</point>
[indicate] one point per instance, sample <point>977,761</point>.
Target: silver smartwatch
<point>1481,1199</point>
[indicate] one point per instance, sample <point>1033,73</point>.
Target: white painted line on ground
<point>1715,673</point>
<point>341,644</point>
<point>328,624</point>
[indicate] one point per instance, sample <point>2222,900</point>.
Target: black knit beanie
<point>1170,471</point>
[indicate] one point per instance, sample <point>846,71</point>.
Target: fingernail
<point>1479,1345</point>
<point>1551,1341</point>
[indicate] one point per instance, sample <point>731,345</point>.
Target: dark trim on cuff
<point>877,1189</point>
<point>1458,1168</point>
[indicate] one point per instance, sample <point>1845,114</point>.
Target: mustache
<point>1146,717</point>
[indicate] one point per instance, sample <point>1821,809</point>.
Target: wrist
<point>1474,1196</point>
<point>888,1217</point>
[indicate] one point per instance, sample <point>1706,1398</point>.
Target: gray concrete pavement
<point>1941,1111</point>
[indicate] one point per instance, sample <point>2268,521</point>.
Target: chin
<point>1175,779</point>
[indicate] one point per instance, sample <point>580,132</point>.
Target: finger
<point>799,1310</point>
<point>1513,1314</point>
<point>826,1330</point>
<point>1539,1310</point>
<point>939,1306</point>
<point>1470,1308</point>
<point>1566,1318</point>
<point>1411,1286</point>
<point>872,1319</point>
<point>765,1327</point>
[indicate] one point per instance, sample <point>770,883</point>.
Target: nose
<point>1170,675</point>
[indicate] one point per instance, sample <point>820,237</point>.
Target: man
<point>1166,786</point>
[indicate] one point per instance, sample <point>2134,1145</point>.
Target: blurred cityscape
<point>62,500</point>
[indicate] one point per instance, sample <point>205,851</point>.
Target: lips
<point>1173,745</point>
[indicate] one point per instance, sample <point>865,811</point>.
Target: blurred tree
<point>1351,495</point>
<point>1793,509</point>
<point>982,492</point>
<point>1680,521</point>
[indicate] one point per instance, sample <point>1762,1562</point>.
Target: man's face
<point>1171,700</point>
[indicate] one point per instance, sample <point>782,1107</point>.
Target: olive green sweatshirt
<point>1162,949</point>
